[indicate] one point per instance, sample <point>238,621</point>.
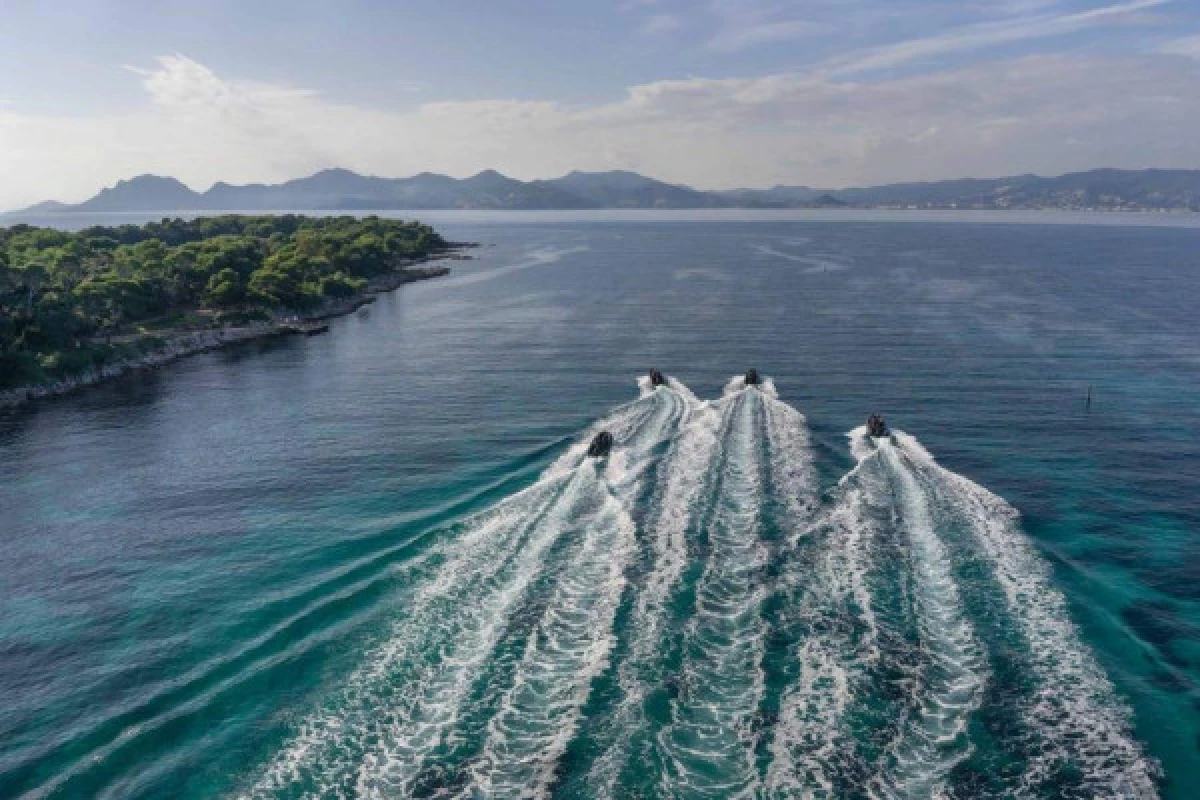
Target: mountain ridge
<point>339,189</point>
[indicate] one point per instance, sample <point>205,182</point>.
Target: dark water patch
<point>1179,577</point>
<point>1172,681</point>
<point>1160,625</point>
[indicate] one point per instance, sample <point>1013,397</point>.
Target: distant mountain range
<point>339,189</point>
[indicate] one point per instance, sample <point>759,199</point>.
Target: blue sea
<point>377,562</point>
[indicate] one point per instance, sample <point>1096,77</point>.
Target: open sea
<point>376,562</point>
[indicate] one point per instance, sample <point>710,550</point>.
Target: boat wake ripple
<point>825,612</point>
<point>1081,728</point>
<point>933,740</point>
<point>684,472</point>
<point>690,617</point>
<point>709,745</point>
<point>398,708</point>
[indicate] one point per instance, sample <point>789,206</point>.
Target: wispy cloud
<point>743,24</point>
<point>742,37</point>
<point>1188,46</point>
<point>992,34</point>
<point>1009,8</point>
<point>404,85</point>
<point>660,23</point>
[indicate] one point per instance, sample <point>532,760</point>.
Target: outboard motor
<point>601,444</point>
<point>752,378</point>
<point>657,378</point>
<point>876,426</point>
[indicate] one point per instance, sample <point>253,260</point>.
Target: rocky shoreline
<point>193,342</point>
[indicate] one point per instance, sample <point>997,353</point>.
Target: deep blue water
<point>374,563</point>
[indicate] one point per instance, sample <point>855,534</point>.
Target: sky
<point>710,93</point>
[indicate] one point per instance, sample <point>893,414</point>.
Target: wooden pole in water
<point>1087,406</point>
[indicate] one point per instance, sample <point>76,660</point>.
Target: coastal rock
<point>193,342</point>
<point>171,350</point>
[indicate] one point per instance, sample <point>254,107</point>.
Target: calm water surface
<point>375,563</point>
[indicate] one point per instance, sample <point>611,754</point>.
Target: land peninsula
<point>79,307</point>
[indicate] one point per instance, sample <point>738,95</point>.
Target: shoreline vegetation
<point>77,309</point>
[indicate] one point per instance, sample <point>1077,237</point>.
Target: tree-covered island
<point>89,303</point>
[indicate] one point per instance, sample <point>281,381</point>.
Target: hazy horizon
<point>728,94</point>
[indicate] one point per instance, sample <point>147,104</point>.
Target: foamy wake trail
<point>684,473</point>
<point>398,707</point>
<point>737,383</point>
<point>828,613</point>
<point>934,738</point>
<point>708,746</point>
<point>808,733</point>
<point>570,646</point>
<point>686,466</point>
<point>793,477</point>
<point>330,747</point>
<point>1083,726</point>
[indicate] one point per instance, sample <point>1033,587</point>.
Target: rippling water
<point>376,563</point>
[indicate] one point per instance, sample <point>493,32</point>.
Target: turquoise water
<point>375,563</point>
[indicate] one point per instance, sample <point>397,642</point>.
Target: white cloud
<point>182,83</point>
<point>991,34</point>
<point>1045,114</point>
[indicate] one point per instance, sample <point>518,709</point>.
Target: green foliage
<point>226,288</point>
<point>341,285</point>
<point>282,285</point>
<point>62,293</point>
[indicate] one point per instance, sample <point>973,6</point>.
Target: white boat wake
<point>750,637</point>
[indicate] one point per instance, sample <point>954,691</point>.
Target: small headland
<point>80,308</point>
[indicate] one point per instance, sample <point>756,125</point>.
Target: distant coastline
<point>341,190</point>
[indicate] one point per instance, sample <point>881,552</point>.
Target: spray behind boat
<point>602,443</point>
